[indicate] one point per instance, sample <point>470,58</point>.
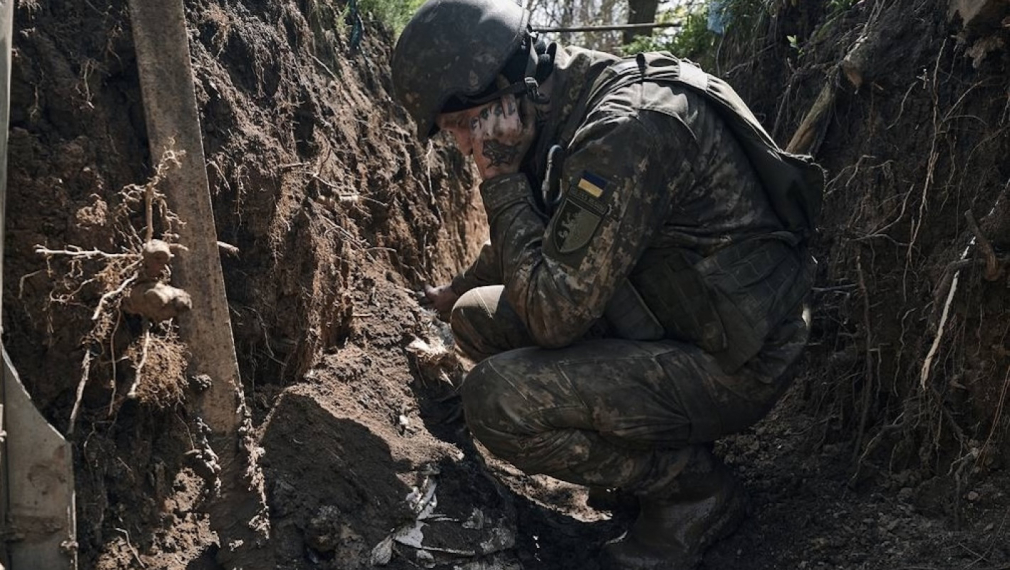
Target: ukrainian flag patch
<point>592,184</point>
<point>578,217</point>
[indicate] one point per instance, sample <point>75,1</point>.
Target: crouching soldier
<point>642,291</point>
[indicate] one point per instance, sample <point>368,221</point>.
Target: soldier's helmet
<point>451,51</point>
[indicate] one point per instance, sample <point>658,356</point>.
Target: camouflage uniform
<point>604,350</point>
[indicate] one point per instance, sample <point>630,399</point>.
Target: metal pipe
<point>612,28</point>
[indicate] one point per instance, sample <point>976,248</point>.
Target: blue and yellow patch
<point>592,184</point>
<point>578,218</point>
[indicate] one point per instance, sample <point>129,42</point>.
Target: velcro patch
<point>580,214</point>
<point>592,184</point>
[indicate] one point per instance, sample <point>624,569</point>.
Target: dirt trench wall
<point>310,166</point>
<point>316,180</point>
<point>921,141</point>
<point>315,173</point>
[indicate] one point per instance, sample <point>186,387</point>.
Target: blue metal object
<point>357,26</point>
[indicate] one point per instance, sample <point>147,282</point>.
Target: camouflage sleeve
<point>616,177</point>
<point>483,271</point>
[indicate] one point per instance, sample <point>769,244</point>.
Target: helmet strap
<point>539,65</point>
<point>516,88</point>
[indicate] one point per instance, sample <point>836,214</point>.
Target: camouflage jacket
<point>650,168</point>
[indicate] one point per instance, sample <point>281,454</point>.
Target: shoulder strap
<point>794,183</point>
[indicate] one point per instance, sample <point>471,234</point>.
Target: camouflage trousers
<point>607,412</point>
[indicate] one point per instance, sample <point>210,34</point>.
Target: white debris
<point>382,553</point>
<point>433,350</point>
<point>423,501</point>
<point>410,535</point>
<point>491,549</point>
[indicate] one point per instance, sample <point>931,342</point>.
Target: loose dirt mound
<point>338,216</point>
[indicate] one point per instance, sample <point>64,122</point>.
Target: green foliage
<point>691,39</point>
<point>338,14</point>
<point>393,13</point>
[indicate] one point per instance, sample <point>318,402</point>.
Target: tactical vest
<point>726,303</point>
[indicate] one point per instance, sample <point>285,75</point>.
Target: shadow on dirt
<point>332,488</point>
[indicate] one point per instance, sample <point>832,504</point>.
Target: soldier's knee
<point>496,412</point>
<point>484,392</point>
<point>464,312</point>
<point>469,322</point>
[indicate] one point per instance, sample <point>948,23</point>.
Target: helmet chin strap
<point>528,87</point>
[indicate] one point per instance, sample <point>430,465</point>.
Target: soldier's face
<point>458,124</point>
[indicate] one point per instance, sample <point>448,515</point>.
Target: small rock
<point>321,533</point>
<point>382,553</point>
<point>200,382</point>
<point>476,520</point>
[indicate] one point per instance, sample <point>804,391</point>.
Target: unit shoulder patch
<point>580,213</point>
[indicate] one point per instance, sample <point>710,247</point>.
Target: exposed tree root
<point>143,264</point>
<point>143,360</point>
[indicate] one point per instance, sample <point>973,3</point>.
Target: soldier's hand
<point>501,135</point>
<point>496,134</point>
<point>441,298</point>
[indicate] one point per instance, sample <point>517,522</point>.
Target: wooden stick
<point>810,134</point>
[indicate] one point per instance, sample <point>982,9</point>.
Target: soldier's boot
<point>676,526</point>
